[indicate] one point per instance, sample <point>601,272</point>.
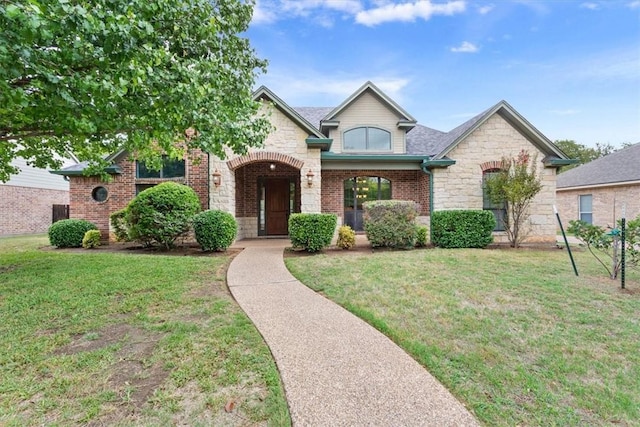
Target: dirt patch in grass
<point>131,377</point>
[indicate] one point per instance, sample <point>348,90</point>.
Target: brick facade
<point>405,185</point>
<point>247,179</point>
<point>122,188</point>
<point>26,210</point>
<point>607,203</point>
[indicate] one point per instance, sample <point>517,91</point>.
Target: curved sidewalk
<point>336,369</point>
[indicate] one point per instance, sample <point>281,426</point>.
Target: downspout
<point>425,169</point>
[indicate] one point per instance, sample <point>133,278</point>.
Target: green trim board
<point>374,158</point>
<point>560,162</point>
<point>323,144</point>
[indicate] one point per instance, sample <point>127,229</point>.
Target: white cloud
<point>634,4</point>
<point>262,14</point>
<point>483,10</point>
<point>305,7</point>
<point>320,90</point>
<point>590,6</point>
<point>269,11</point>
<point>408,12</point>
<point>465,47</point>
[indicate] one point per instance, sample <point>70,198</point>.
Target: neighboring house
<point>598,191</point>
<point>27,199</point>
<point>335,159</point>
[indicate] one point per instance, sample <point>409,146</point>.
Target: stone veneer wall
<point>460,186</point>
<point>405,185</point>
<point>607,203</point>
<point>122,188</point>
<point>287,139</point>
<point>26,210</point>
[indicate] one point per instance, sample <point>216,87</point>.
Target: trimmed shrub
<point>161,214</point>
<point>68,233</point>
<point>215,230</point>
<point>462,228</point>
<point>346,237</point>
<point>91,239</point>
<point>119,225</point>
<point>421,236</point>
<point>391,223</point>
<point>311,232</point>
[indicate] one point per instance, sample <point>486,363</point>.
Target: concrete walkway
<point>336,369</point>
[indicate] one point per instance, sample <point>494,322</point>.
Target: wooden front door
<point>277,196</point>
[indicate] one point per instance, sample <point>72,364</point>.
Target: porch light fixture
<point>217,178</point>
<point>272,166</point>
<point>310,176</point>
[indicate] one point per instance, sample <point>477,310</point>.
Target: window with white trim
<point>585,204</point>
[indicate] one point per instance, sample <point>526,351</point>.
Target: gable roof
<point>264,93</point>
<point>618,167</point>
<point>406,119</point>
<point>508,113</point>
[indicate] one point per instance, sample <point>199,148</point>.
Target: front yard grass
<point>512,333</point>
<point>120,339</point>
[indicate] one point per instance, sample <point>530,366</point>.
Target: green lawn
<point>512,333</point>
<point>121,339</point>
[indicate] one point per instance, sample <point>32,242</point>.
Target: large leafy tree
<point>95,76</point>
<point>582,153</point>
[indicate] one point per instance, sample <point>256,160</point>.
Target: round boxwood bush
<point>162,213</point>
<point>91,239</point>
<point>215,230</point>
<point>68,233</point>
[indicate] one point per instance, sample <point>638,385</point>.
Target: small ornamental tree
<point>515,185</point>
<point>605,245</point>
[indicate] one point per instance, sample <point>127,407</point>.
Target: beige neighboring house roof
<point>618,168</point>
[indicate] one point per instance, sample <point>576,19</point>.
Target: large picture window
<point>586,210</point>
<point>498,209</point>
<point>359,190</point>
<point>367,139</point>
<point>171,168</point>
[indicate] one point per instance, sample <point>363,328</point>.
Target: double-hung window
<point>586,211</point>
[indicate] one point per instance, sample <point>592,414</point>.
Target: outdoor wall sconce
<point>217,178</point>
<point>310,176</point>
<point>272,166</point>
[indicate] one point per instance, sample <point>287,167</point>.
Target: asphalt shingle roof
<point>620,166</point>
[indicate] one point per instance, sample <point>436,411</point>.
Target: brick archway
<point>492,165</point>
<point>264,156</point>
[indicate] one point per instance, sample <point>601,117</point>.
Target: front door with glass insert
<point>276,203</point>
<point>359,190</point>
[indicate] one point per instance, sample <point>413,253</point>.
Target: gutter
<point>426,167</point>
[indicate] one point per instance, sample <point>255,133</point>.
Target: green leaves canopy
<point>94,76</point>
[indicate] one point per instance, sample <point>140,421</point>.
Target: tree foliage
<point>94,76</point>
<point>605,245</point>
<point>516,184</point>
<point>582,153</point>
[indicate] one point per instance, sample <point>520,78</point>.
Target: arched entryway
<point>267,192</point>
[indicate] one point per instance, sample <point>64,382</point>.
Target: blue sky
<point>572,68</point>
